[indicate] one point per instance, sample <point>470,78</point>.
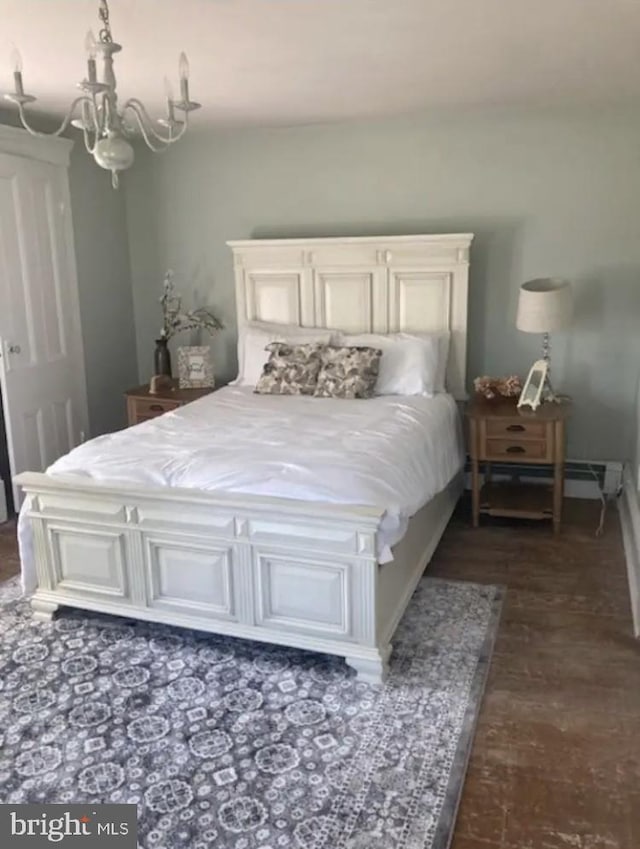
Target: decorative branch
<point>176,320</point>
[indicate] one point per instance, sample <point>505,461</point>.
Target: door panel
<point>351,299</point>
<point>420,296</point>
<point>303,594</point>
<point>191,579</point>
<point>41,357</point>
<point>90,561</point>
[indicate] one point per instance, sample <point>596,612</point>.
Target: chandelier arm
<point>63,126</point>
<point>152,145</point>
<point>144,119</point>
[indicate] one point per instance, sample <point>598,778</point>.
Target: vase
<point>162,358</point>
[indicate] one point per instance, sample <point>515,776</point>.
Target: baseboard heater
<point>583,478</point>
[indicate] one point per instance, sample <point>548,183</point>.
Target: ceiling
<point>274,62</point>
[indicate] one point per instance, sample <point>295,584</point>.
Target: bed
<point>304,558</point>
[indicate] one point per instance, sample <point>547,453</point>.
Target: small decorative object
<point>531,395</point>
<point>498,387</point>
<point>175,319</point>
<point>195,369</point>
<point>160,383</point>
<point>544,305</point>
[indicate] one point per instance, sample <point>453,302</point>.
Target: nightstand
<point>500,432</point>
<point>141,405</point>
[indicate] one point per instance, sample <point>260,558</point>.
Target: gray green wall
<point>104,284</point>
<point>545,194</point>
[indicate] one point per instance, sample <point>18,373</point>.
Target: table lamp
<point>544,305</point>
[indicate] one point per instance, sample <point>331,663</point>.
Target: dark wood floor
<point>556,757</point>
<point>9,560</point>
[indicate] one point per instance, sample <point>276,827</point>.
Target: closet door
<point>41,357</point>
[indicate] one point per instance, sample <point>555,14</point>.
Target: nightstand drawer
<point>142,405</point>
<point>515,429</point>
<point>147,408</point>
<point>515,449</point>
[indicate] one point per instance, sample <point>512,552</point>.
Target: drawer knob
<point>515,449</point>
<point>157,408</point>
<point>516,427</point>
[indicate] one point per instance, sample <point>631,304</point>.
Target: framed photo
<point>195,369</point>
<point>531,395</point>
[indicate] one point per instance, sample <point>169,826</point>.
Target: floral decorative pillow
<point>348,372</point>
<point>290,369</point>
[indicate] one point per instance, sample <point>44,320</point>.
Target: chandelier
<point>105,125</point>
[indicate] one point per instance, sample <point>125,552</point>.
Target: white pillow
<point>409,364</point>
<point>443,337</point>
<point>253,338</point>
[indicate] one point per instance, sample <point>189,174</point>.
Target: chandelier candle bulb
<point>17,79</point>
<point>16,61</point>
<point>183,67</point>
<point>92,49</point>
<point>170,120</point>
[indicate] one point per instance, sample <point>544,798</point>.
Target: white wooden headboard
<point>360,284</point>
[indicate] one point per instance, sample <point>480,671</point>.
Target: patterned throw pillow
<point>348,372</point>
<point>290,369</point>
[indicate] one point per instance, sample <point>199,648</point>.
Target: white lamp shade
<point>544,305</point>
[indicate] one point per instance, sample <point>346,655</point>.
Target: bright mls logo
<point>86,826</point>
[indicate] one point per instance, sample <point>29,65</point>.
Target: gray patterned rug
<point>229,744</point>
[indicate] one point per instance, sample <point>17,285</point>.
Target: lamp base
<point>550,396</point>
<point>548,393</point>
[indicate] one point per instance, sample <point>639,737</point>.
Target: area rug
<point>230,744</point>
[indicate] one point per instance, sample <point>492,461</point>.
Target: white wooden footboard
<point>296,573</point>
<point>283,571</point>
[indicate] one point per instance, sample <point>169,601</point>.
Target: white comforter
<point>390,452</point>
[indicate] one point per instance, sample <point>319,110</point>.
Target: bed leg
<point>372,669</point>
<point>43,610</point>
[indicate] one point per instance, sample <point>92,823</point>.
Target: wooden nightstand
<point>500,432</point>
<point>141,405</point>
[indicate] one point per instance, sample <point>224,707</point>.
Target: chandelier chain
<point>105,32</point>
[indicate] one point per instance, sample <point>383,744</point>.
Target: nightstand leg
<point>475,493</point>
<point>558,493</point>
<point>558,476</point>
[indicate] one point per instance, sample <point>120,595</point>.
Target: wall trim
<point>629,509</point>
<point>19,142</point>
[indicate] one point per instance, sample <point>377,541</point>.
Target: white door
<point>41,357</point>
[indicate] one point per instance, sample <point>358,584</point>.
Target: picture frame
<point>531,395</point>
<point>195,367</point>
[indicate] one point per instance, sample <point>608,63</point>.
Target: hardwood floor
<point>9,560</point>
<point>556,757</point>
